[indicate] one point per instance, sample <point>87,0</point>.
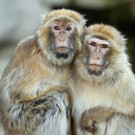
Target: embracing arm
<point>95,115</point>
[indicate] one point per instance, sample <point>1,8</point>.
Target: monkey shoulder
<point>27,47</point>
<point>25,72</point>
<point>24,52</point>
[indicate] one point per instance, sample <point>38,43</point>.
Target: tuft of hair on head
<point>108,31</point>
<point>65,13</point>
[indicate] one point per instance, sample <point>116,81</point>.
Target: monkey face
<point>62,46</point>
<point>103,53</point>
<point>62,38</point>
<point>93,62</point>
<point>97,54</point>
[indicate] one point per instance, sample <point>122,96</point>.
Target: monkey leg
<point>47,115</point>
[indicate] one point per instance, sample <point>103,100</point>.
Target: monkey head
<point>103,52</point>
<point>60,35</point>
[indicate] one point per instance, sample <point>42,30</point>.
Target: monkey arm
<point>21,74</point>
<point>30,105</point>
<point>95,115</point>
<point>49,114</point>
<point>24,76</point>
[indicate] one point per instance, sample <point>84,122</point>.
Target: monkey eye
<point>56,28</point>
<point>68,28</point>
<point>92,43</point>
<point>104,46</point>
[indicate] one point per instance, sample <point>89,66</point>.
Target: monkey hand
<point>92,117</point>
<point>88,124</point>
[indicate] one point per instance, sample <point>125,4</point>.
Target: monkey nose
<point>97,50</point>
<point>96,57</point>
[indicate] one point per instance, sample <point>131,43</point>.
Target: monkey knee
<point>54,103</point>
<point>62,101</point>
<point>61,96</point>
<point>52,112</point>
<point>43,112</point>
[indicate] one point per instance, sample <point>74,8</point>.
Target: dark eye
<point>56,28</point>
<point>104,46</point>
<point>93,44</point>
<point>68,28</point>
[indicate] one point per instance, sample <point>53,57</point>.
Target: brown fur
<point>114,88</point>
<point>65,16</point>
<point>33,88</point>
<point>104,31</point>
<point>67,13</point>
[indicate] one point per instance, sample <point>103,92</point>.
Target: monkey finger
<point>91,128</point>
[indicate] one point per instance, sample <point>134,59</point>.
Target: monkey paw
<point>91,127</point>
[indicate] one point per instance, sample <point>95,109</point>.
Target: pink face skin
<point>98,49</point>
<point>62,32</point>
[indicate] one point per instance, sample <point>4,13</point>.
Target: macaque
<point>102,82</point>
<point>34,96</point>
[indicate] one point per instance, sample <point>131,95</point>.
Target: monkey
<point>101,78</point>
<point>34,95</point>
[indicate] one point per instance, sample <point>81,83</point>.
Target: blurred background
<point>19,19</point>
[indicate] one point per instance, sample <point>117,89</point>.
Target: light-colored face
<point>98,50</point>
<point>62,32</point>
<point>63,38</point>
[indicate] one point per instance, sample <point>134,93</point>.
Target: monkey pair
<point>53,72</point>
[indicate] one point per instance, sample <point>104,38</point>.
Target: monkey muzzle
<point>61,55</point>
<point>94,69</point>
<point>63,52</point>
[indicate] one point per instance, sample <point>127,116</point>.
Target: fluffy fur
<point>114,88</point>
<point>33,90</point>
<point>44,32</point>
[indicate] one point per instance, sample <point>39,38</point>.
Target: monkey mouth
<point>95,66</point>
<point>62,52</point>
<point>59,55</point>
<point>62,49</point>
<point>94,72</point>
<point>94,69</point>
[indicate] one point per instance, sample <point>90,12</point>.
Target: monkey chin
<point>63,53</point>
<point>95,70</point>
<point>60,58</point>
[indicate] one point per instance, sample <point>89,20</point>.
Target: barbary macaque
<point>34,96</point>
<point>102,82</point>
